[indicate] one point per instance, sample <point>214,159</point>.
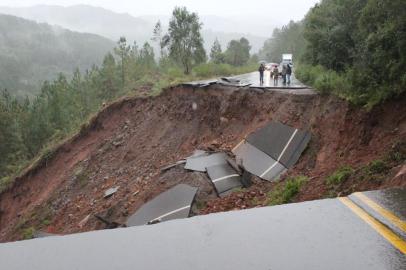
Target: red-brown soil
<point>128,143</point>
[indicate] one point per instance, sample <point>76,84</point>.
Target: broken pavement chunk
<point>257,162</point>
<point>166,168</point>
<point>224,177</point>
<point>200,163</point>
<point>198,153</point>
<point>108,193</point>
<point>281,142</point>
<point>174,203</point>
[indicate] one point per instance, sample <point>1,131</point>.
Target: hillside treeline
<point>31,53</point>
<point>32,126</point>
<point>355,49</point>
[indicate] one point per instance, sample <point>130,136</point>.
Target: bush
<point>214,70</point>
<point>284,194</point>
<point>377,167</point>
<point>398,152</point>
<point>323,80</point>
<point>28,233</point>
<point>339,176</point>
<point>355,86</point>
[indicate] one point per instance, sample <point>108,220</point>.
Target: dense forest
<point>31,127</point>
<point>31,53</point>
<point>355,49</point>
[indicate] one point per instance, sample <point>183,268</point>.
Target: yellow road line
<point>390,236</point>
<point>384,212</point>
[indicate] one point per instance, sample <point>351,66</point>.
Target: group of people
<point>286,73</point>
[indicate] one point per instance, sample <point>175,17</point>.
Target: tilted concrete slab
<point>295,148</point>
<point>224,178</point>
<point>201,84</point>
<point>257,162</point>
<point>388,206</point>
<point>199,153</point>
<point>283,143</point>
<point>314,235</point>
<point>200,163</point>
<point>172,204</point>
<point>272,138</point>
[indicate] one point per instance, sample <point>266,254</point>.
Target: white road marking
<point>286,146</point>
<point>224,178</point>
<point>280,156</point>
<point>170,213</point>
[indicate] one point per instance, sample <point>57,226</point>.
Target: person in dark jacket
<point>284,69</point>
<point>261,70</point>
<point>288,72</point>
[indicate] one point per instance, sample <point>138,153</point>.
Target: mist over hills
<point>31,53</point>
<point>100,21</point>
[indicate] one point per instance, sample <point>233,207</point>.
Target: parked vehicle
<point>287,58</point>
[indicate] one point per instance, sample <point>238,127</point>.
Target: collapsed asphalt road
<point>122,150</point>
<point>251,80</point>
<point>325,234</point>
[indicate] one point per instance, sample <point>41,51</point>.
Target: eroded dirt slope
<point>128,143</point>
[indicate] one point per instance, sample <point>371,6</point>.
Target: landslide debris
<point>128,143</point>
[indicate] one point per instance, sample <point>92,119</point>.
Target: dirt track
<point>130,140</point>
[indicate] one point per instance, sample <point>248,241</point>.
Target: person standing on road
<point>261,70</point>
<point>275,75</point>
<point>288,72</point>
<point>284,71</point>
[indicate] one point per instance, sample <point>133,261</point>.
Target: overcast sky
<point>275,10</point>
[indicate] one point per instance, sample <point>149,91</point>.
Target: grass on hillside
<point>157,82</point>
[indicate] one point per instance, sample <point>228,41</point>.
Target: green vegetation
<point>288,39</point>
<point>339,176</point>
<point>184,39</point>
<point>31,129</point>
<point>363,41</point>
<point>285,193</point>
<point>398,152</point>
<point>375,171</point>
<point>354,49</point>
<point>237,53</point>
<point>31,53</point>
<point>28,233</point>
<point>377,166</point>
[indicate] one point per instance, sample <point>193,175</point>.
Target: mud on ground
<point>128,143</point>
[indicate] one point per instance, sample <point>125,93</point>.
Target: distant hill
<point>87,19</point>
<point>31,53</point>
<point>112,25</point>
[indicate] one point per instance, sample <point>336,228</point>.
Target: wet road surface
<point>251,80</point>
<point>325,234</point>
<point>386,206</point>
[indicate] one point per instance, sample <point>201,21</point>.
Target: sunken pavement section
<point>335,234</point>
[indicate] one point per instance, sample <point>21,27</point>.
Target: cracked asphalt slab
<point>251,80</point>
<point>323,234</point>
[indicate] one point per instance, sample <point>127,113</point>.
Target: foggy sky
<point>279,11</point>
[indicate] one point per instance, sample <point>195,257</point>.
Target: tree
<point>238,52</point>
<point>288,39</point>
<point>159,38</point>
<point>123,51</point>
<point>216,54</point>
<point>184,39</point>
<point>147,56</point>
<point>109,84</point>
<point>331,31</point>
